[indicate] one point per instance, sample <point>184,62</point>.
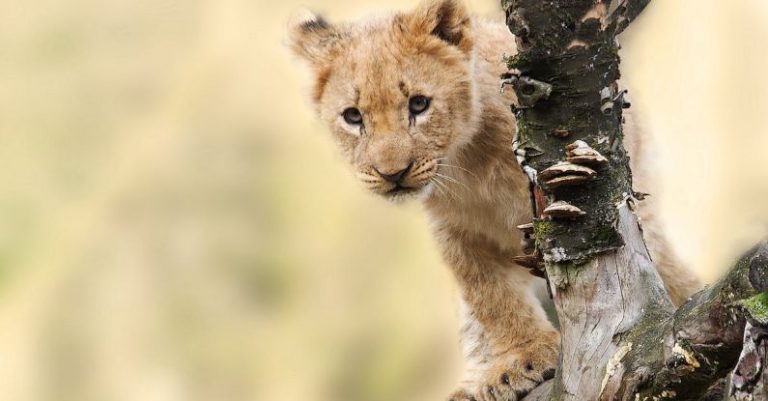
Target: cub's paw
<point>513,380</point>
<point>512,384</point>
<point>462,395</point>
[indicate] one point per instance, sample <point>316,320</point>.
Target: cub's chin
<point>399,194</point>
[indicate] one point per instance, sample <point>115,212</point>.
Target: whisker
<point>453,180</point>
<point>439,185</point>
<point>455,194</point>
<point>460,168</point>
<point>448,192</point>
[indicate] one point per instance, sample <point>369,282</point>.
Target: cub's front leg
<point>509,345</point>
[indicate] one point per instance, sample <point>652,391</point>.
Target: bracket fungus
<point>566,173</point>
<point>581,153</point>
<point>526,228</point>
<point>562,210</point>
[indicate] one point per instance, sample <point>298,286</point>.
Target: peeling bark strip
<point>621,337</point>
<point>751,375</point>
<point>569,119</point>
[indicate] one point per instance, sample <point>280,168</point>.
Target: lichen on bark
<point>757,307</point>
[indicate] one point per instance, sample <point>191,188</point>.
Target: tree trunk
<point>622,339</point>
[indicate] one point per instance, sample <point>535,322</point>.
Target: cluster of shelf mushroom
<point>577,169</point>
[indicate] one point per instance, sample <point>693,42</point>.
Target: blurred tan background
<point>176,224</point>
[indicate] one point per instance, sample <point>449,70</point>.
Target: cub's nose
<point>394,177</point>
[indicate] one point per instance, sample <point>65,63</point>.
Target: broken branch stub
<point>529,91</point>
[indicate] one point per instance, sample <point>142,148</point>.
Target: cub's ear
<point>311,37</point>
<point>445,19</point>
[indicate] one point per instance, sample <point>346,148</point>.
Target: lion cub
<point>413,100</point>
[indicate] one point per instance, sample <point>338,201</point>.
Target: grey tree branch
<point>700,344</point>
<point>621,337</point>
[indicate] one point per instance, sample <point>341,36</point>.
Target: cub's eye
<point>352,116</point>
<point>418,104</point>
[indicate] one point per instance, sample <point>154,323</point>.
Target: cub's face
<point>396,92</point>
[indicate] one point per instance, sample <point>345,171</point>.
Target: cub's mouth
<point>401,190</point>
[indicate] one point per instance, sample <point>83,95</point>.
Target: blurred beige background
<point>176,224</point>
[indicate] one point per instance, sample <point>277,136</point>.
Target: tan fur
<point>463,168</point>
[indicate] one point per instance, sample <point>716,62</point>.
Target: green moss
<point>542,229</point>
<point>519,61</point>
<point>524,61</point>
<point>757,307</point>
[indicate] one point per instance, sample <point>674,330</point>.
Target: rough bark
<point>750,378</point>
<point>622,338</point>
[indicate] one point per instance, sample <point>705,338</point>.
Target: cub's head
<point>396,91</point>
